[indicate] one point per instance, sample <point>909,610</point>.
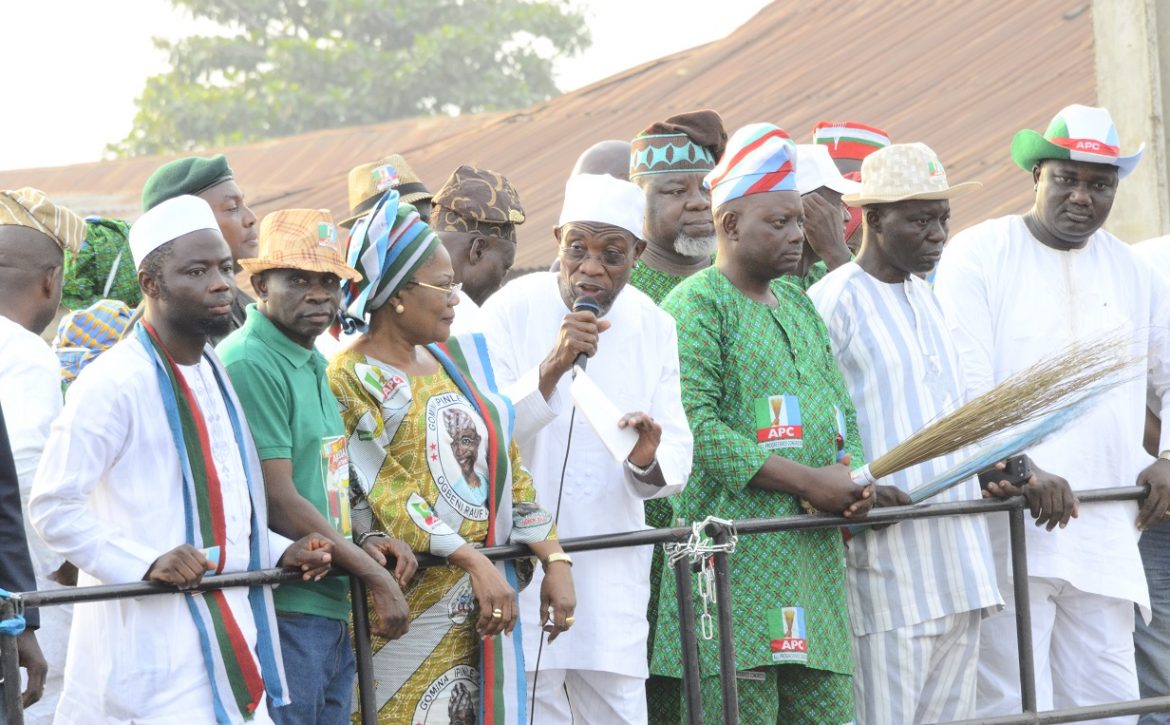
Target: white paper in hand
<point>603,416</point>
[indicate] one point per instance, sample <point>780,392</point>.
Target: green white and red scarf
<point>503,689</point>
<point>239,678</point>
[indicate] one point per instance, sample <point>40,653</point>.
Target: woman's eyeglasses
<point>451,291</point>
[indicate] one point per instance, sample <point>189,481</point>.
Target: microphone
<point>584,303</point>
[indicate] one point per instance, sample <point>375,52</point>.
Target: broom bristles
<point>1080,370</point>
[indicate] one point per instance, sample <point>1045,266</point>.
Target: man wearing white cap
<point>916,655</point>
<point>826,217</point>
<point>1013,290</point>
<point>541,323</point>
<point>151,437</point>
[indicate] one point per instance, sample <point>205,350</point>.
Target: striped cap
<point>387,246</point>
<point>760,157</point>
<point>849,139</point>
<point>29,207</point>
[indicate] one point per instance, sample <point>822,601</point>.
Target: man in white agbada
<point>151,435</point>
<point>35,234</point>
<point>1015,290</point>
<point>919,589</point>
<point>633,356</point>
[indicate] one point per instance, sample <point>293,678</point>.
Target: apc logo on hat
<point>935,169</point>
<point>327,236</point>
<point>778,422</point>
<point>384,177</point>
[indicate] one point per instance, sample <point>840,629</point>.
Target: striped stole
<point>503,690</point>
<point>237,685</point>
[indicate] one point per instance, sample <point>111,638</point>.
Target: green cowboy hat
<point>1077,133</point>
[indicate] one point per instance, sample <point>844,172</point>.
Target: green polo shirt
<point>292,412</point>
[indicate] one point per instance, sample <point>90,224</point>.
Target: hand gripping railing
<point>720,533</point>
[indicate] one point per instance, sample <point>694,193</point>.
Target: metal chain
<point>699,548</point>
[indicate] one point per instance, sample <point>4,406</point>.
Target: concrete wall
<point>1132,51</point>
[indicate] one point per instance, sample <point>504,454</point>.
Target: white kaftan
<point>636,365</point>
<point>30,393</point>
<point>108,496</point>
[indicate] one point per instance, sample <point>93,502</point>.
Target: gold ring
<point>497,613</point>
<point>569,621</point>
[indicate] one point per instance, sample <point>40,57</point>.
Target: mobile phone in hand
<point>1017,472</point>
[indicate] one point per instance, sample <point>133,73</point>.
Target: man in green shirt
<point>772,423</point>
<point>300,438</point>
<point>668,161</point>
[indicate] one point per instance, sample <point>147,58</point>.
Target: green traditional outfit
<point>656,285</point>
<point>759,382</point>
<point>814,274</point>
<point>686,143</point>
<point>103,268</point>
<point>662,694</point>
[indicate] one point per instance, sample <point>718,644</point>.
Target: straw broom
<point>1082,370</point>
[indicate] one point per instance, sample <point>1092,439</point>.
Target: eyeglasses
<point>451,291</point>
<point>608,258</point>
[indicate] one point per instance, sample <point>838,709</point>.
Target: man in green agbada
<point>668,161</point>
<point>773,424</point>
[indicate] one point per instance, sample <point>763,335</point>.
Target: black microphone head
<point>585,303</point>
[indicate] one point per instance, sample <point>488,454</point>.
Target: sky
<point>76,80</point>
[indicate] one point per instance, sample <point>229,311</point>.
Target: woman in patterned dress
<point>433,465</point>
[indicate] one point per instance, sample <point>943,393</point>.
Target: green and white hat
<point>1077,133</point>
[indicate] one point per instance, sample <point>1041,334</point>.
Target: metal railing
<point>1015,509</point>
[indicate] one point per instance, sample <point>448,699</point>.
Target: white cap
<point>602,199</point>
<point>168,221</point>
<point>815,168</point>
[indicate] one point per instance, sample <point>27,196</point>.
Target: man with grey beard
<point>668,162</point>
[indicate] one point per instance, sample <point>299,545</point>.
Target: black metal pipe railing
<point>363,653</point>
<point>1014,507</point>
<point>1019,549</point>
<point>720,535</point>
<point>690,644</point>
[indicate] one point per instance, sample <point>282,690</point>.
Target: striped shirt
<point>902,370</point>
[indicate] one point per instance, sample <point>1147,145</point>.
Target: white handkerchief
<point>603,416</point>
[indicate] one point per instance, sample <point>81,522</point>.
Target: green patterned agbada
<point>814,274</point>
<point>102,268</point>
<point>655,284</point>
<point>758,382</point>
<point>662,693</point>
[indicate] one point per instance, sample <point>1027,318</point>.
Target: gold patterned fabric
<point>29,207</point>
<point>477,200</point>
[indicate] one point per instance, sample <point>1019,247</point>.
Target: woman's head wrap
<point>387,246</point>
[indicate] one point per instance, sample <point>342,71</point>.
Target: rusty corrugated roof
<point>962,77</point>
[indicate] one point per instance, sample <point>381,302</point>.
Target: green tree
<point>289,66</point>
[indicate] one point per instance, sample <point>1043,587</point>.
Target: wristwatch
<point>642,472</point>
<point>558,556</point>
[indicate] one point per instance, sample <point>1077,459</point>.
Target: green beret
<point>192,175</point>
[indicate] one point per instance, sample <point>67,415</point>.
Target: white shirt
<point>468,316</point>
<point>30,394</point>
<point>108,496</point>
<point>903,372</point>
<point>1011,301</point>
<point>636,365</point>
